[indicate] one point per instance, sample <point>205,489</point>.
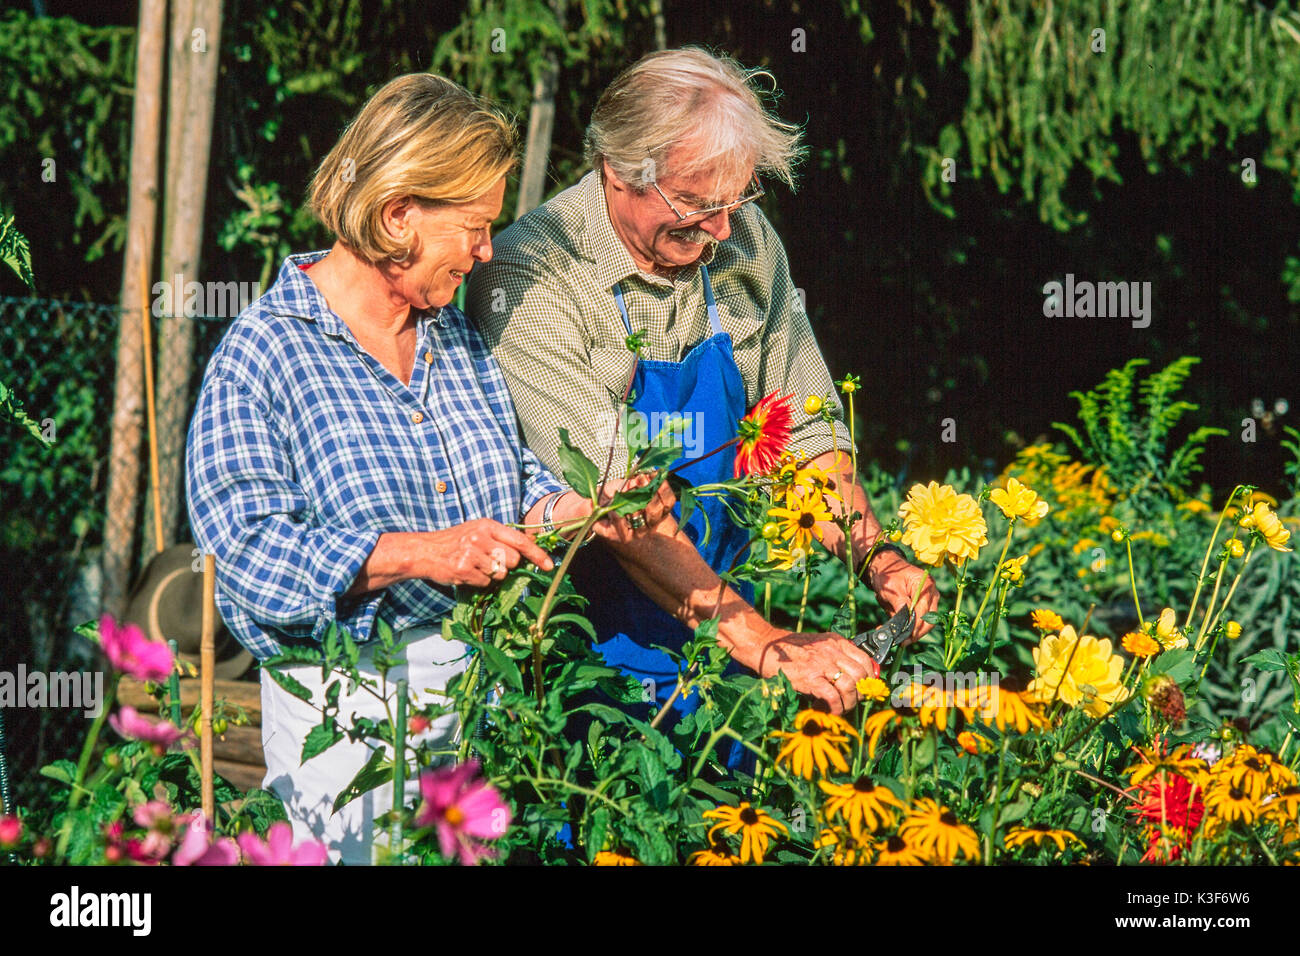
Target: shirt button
<point>442,487</point>
<point>417,417</point>
<point>428,357</point>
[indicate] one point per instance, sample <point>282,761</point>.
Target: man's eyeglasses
<point>755,191</point>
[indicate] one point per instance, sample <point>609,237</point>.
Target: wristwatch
<point>548,512</point>
<point>881,549</point>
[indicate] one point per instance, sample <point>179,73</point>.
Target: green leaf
<point>377,771</point>
<point>321,738</point>
<point>64,771</point>
<point>582,476</point>
<point>499,660</point>
<point>1267,660</point>
<point>288,682</point>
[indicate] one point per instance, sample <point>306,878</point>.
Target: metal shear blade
<point>879,641</point>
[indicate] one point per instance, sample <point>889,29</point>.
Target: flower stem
<point>1132,580</point>
<point>994,580</point>
<point>803,600</point>
<point>1205,563</point>
<point>399,773</point>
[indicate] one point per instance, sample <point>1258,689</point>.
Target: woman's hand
<point>474,553</point>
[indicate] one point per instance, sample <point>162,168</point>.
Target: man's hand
<point>825,666</point>
<point>895,581</point>
<point>657,516</point>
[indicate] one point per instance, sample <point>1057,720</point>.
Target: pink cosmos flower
<point>278,850</point>
<point>464,810</point>
<point>197,848</point>
<point>130,652</point>
<point>11,831</point>
<point>163,735</point>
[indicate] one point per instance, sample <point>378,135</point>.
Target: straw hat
<point>167,604</point>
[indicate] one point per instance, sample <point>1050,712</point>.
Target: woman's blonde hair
<point>689,98</point>
<point>420,136</point>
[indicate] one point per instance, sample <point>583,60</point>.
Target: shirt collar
<point>295,295</point>
<point>602,244</point>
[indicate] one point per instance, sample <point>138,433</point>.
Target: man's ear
<point>607,172</point>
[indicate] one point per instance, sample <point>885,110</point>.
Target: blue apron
<point>706,386</point>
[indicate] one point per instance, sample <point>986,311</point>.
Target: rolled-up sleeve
<point>276,563</point>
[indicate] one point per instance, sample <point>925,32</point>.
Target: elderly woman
<point>354,454</point>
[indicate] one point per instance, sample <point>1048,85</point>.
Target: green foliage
<point>1131,444</point>
<point>1045,100</point>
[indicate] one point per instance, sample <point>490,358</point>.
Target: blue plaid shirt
<point>304,448</point>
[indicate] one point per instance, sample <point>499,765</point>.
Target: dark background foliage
<point>934,298</point>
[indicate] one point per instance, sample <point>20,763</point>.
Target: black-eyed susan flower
<point>799,519</point>
<point>615,858</point>
<point>1046,620</point>
<point>1284,807</point>
<point>895,851</point>
<point>818,740</point>
<point>933,703</point>
<point>1179,762</point>
<point>862,804</point>
<point>1139,644</point>
<point>875,726</point>
<point>1038,834</point>
<point>756,829</point>
<point>1257,772</point>
<point>845,850</point>
<point>1231,803</point>
<point>715,855</point>
<point>1011,707</point>
<point>933,828</point>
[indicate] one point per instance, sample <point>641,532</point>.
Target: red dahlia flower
<point>764,435</point>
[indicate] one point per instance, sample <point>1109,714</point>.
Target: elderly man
<point>662,238</point>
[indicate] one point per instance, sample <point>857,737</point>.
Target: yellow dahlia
<point>1018,501</point>
<point>1269,526</point>
<point>942,525</point>
<point>872,688</point>
<point>1078,669</point>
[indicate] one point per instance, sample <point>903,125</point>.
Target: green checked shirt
<point>545,305</point>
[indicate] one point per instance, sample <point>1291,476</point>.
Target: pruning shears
<point>880,641</point>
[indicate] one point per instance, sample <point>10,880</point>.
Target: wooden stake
<point>207,668</point>
<point>150,409</point>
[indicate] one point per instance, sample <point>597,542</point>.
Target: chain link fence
<point>55,517</point>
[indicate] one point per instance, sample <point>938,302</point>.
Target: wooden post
<point>151,415</point>
<point>142,214</point>
<point>192,74</point>
<point>207,668</point>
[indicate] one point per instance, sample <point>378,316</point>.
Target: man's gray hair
<point>690,98</point>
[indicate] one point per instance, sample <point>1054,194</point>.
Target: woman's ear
<point>395,216</point>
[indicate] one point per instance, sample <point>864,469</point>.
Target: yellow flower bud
<point>1235,548</point>
<point>1117,536</point>
<point>771,531</point>
<point>812,404</point>
<point>1233,630</point>
<point>895,535</point>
